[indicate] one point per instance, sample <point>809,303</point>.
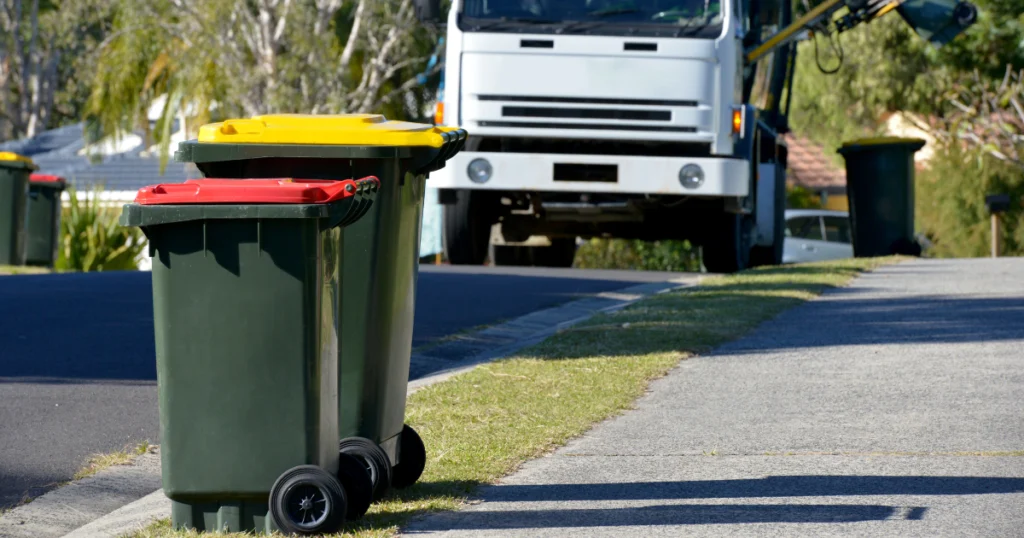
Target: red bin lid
<point>250,191</point>
<point>45,178</point>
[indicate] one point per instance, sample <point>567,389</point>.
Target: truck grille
<point>586,100</point>
<point>585,113</point>
<point>593,126</point>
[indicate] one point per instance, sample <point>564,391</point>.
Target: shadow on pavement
<point>773,486</point>
<point>683,514</point>
<point>694,514</point>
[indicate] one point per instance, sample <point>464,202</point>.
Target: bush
<point>91,238</point>
<point>950,206</point>
<point>638,255</point>
<point>798,197</point>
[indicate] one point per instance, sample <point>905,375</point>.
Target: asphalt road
<point>889,408</point>
<point>77,370</point>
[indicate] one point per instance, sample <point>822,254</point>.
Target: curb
<point>123,499</point>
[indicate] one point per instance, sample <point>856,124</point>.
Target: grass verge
<point>99,462</point>
<point>481,425</point>
<point>22,270</point>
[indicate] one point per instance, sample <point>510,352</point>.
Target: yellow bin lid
<point>325,130</point>
<point>14,157</point>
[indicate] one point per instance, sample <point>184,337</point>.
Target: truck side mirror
<point>428,11</point>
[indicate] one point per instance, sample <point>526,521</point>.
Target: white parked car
<point>816,235</point>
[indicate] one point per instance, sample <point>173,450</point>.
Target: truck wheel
<point>510,256</point>
<point>561,253</point>
<point>727,248</point>
<point>772,254</point>
<point>467,229</point>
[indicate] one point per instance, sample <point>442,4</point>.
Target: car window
<point>804,228</point>
<point>837,229</point>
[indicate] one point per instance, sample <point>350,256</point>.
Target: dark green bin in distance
<point>880,186</point>
<point>14,184</point>
<point>244,302</point>
<point>42,231</point>
<point>380,252</point>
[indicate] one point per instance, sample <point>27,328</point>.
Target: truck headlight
<point>479,171</point>
<point>691,176</point>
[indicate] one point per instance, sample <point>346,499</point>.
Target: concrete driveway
<point>889,408</point>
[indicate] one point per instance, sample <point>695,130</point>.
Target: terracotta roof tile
<point>809,166</point>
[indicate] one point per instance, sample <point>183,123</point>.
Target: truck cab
<point>606,118</point>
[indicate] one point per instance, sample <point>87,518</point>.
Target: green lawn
<point>483,424</point>
<point>22,270</point>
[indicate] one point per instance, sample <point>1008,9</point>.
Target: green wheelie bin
<point>14,173</point>
<point>42,229</point>
<point>246,276</point>
<point>380,253</point>
<point>880,186</point>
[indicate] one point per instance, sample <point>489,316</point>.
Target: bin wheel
<point>358,484</point>
<point>374,459</point>
<point>412,459</point>
<point>307,500</point>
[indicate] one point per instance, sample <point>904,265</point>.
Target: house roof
<point>809,166</point>
<point>57,152</point>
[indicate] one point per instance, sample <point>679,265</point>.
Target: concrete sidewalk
<point>889,408</point>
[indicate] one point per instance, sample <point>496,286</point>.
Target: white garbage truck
<point>640,119</point>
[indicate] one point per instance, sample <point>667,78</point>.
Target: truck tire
<point>727,248</point>
<point>772,254</point>
<point>467,229</point>
<point>561,253</point>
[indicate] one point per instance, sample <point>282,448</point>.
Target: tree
<point>45,46</point>
<point>250,57</point>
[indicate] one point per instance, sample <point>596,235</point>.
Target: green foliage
<point>638,255</point>
<point>887,67</point>
<point>950,206</point>
<point>91,238</point>
<point>798,197</point>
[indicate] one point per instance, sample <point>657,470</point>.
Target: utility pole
<point>996,203</point>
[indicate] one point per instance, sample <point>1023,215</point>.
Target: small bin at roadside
<point>246,276</point>
<point>14,186</point>
<point>380,256</point>
<point>880,187</point>
<point>42,229</point>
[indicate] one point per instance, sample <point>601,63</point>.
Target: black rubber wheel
<point>375,461</point>
<point>412,458</point>
<point>726,249</point>
<point>307,500</point>
<point>510,256</point>
<point>467,228</point>
<point>772,255</point>
<point>561,253</point>
<point>355,478</point>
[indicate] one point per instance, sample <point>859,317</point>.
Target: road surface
<point>77,370</point>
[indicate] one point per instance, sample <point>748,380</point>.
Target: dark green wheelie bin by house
<point>380,252</point>
<point>246,276</point>
<point>880,187</point>
<point>14,184</point>
<point>42,229</point>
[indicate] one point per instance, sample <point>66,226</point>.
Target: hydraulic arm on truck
<point>639,119</point>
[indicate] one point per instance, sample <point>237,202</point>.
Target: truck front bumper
<point>531,172</point>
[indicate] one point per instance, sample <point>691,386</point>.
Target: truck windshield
<point>690,18</point>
